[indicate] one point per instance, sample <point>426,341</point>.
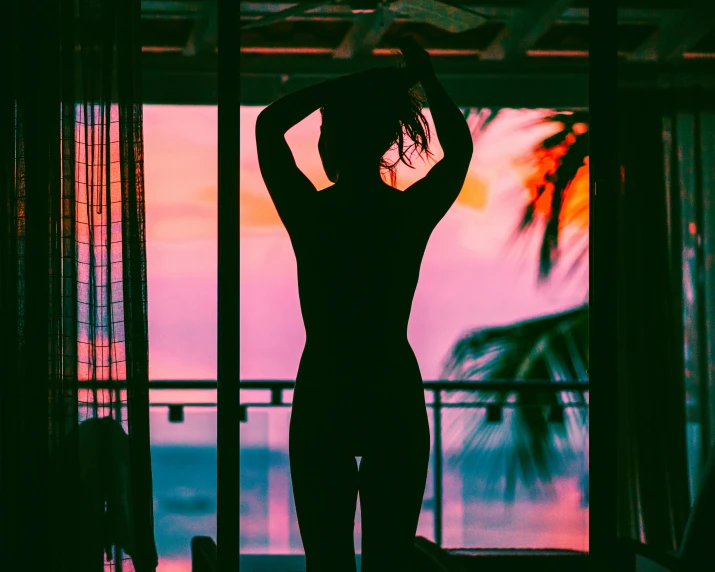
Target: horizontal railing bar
<point>472,405</point>
<point>443,405</point>
<point>433,385</point>
<point>183,404</point>
<point>451,385</point>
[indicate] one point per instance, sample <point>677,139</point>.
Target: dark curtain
<point>690,136</point>
<point>653,502</point>
<point>689,132</point>
<point>75,466</point>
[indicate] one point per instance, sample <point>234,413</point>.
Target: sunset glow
<point>472,276</point>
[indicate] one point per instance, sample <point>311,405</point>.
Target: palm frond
<point>522,447</point>
<point>558,182</point>
<point>499,352</point>
<point>479,118</point>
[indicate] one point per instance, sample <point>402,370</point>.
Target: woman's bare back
<point>358,261</point>
<point>358,258</point>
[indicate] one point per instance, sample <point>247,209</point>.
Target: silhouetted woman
<point>359,245</point>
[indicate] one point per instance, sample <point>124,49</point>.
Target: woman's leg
<point>325,486</point>
<point>392,478</point>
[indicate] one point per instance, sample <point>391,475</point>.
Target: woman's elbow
<point>267,132</point>
<point>266,122</point>
<point>466,140</point>
<point>460,151</point>
<point>468,146</point>
<point>263,122</point>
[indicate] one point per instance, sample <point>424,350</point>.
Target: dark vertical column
<point>707,178</point>
<point>701,292</point>
<point>228,509</point>
<point>604,173</point>
<point>437,409</point>
<point>38,105</point>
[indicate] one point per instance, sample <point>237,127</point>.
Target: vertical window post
<point>228,441</point>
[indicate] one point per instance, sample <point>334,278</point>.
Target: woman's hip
<point>358,427</point>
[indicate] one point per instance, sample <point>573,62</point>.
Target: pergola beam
<point>175,79</point>
<point>170,9</point>
<point>365,34</point>
<point>190,9</point>
<point>204,35</point>
<point>675,35</point>
<point>286,12</point>
<point>524,29</point>
<point>574,15</point>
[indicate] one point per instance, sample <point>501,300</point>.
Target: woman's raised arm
<point>435,193</point>
<point>289,188</point>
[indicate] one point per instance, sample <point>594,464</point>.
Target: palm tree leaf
<point>581,258</point>
<point>524,447</point>
<point>479,118</point>
<point>521,448</point>
<point>499,352</point>
<point>566,170</point>
<point>571,162</point>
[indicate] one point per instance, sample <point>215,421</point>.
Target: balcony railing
<point>569,401</point>
<point>578,399</point>
<point>440,396</point>
<point>472,520</point>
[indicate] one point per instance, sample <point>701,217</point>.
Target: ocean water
<point>184,479</point>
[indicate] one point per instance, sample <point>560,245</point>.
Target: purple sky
<point>470,277</point>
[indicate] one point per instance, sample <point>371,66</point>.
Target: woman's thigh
<point>392,478</point>
<point>324,476</point>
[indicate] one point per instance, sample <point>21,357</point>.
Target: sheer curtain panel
<point>75,466</point>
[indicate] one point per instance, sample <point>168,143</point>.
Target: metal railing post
<point>437,466</point>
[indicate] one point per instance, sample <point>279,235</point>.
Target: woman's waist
<point>358,382</point>
<point>355,318</point>
<point>359,364</point>
<point>368,344</point>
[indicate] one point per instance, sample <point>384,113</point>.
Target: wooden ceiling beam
<point>204,35</point>
<point>675,35</point>
<point>524,29</point>
<point>365,34</point>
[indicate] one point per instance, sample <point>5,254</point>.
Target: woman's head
<point>359,128</point>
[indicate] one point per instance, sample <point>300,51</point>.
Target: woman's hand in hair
<point>416,57</point>
<point>375,81</point>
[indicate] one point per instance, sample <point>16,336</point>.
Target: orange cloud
<point>184,228</point>
<point>208,194</point>
<point>576,203</point>
<point>256,211</point>
<point>474,193</point>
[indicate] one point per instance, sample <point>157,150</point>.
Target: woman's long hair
<point>413,133</point>
<point>389,118</point>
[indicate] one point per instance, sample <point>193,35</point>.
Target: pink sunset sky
<point>470,276</point>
